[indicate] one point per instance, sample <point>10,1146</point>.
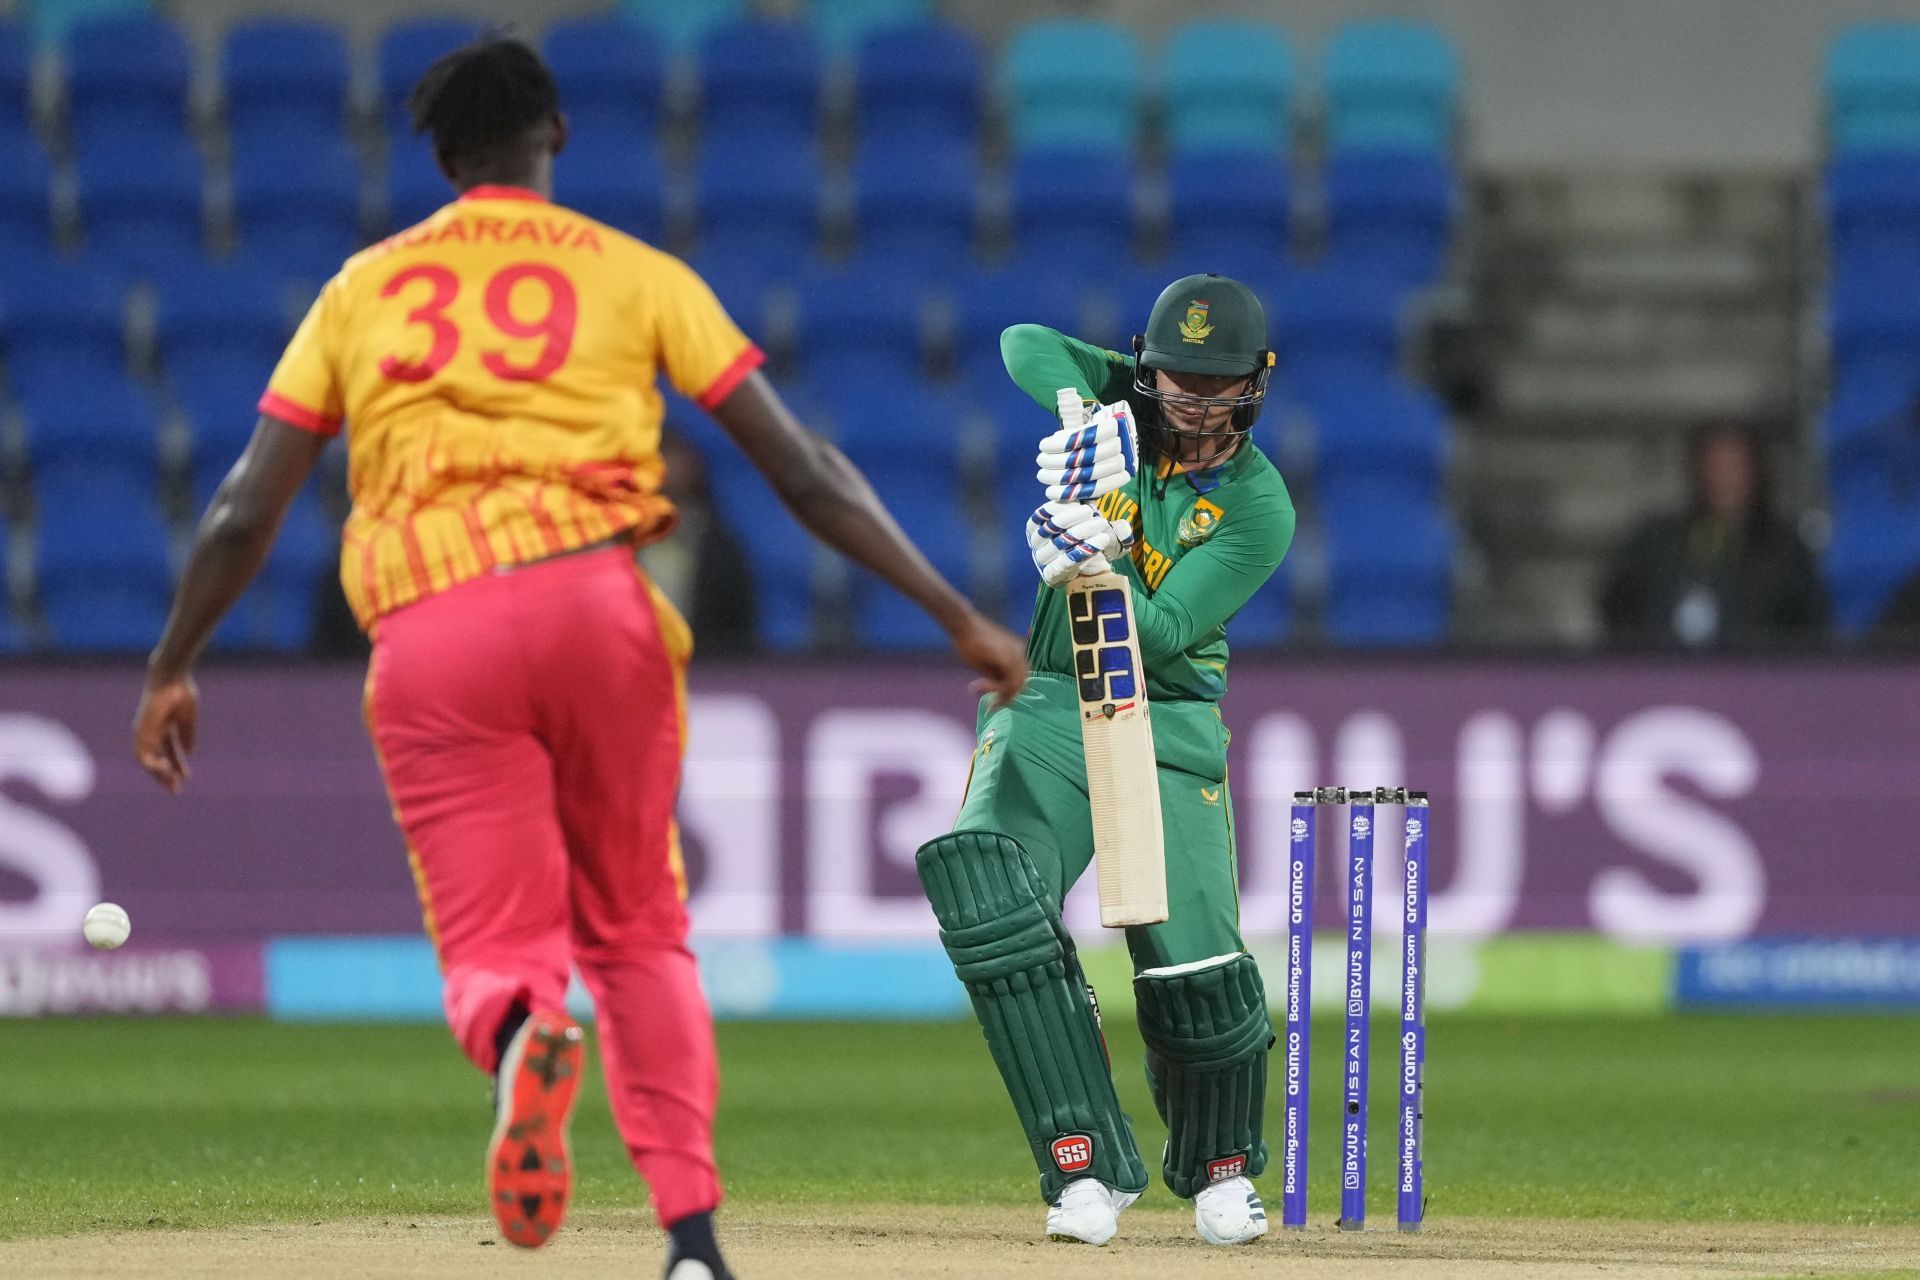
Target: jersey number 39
<point>554,323</point>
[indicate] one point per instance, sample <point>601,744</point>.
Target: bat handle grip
<point>1073,410</point>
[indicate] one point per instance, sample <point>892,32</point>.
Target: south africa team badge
<point>1195,327</point>
<point>1198,524</point>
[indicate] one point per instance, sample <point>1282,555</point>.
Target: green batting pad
<point>1207,1035</point>
<point>1011,951</point>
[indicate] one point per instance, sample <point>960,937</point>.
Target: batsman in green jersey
<point>1164,482</point>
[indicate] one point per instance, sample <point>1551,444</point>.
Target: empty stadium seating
<point>1130,164</point>
<point>285,78</point>
<point>1873,88</point>
<point>1392,85</point>
<point>1229,87</point>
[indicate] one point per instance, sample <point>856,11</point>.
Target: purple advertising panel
<point>1643,801</point>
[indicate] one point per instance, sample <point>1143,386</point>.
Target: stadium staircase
<point>1611,313</point>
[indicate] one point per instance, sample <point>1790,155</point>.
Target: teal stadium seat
<point>1873,88</point>
<point>844,24</point>
<point>1391,85</point>
<point>682,25</point>
<point>1228,86</point>
<point>1073,85</point>
<point>51,20</point>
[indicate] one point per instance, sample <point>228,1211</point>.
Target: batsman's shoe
<point>1087,1212</point>
<point>1229,1212</point>
<point>694,1269</point>
<point>529,1170</point>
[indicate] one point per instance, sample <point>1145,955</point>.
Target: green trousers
<point>1029,781</point>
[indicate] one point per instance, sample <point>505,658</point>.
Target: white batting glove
<point>1079,464</point>
<point>1067,538</point>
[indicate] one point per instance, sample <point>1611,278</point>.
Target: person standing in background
<point>1726,573</point>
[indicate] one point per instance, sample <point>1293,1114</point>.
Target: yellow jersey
<point>497,367</point>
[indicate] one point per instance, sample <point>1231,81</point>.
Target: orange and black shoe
<point>529,1169</point>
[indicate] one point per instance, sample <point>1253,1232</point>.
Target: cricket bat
<point>1123,785</point>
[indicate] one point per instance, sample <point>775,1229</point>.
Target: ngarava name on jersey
<point>558,233</point>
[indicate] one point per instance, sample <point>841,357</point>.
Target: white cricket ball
<point>106,925</point>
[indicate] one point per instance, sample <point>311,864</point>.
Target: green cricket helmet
<point>1204,325</point>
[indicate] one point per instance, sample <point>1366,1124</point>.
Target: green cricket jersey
<point>1207,540</point>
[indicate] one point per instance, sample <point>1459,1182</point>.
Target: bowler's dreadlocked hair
<point>479,100</point>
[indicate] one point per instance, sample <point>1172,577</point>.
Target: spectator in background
<point>1727,573</point>
<point>701,567</point>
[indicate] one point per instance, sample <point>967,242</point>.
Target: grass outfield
<point>133,1124</point>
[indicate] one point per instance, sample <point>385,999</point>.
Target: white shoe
<point>1087,1212</point>
<point>690,1269</point>
<point>1229,1212</point>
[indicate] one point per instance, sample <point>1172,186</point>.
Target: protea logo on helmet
<point>1073,1153</point>
<point>1195,327</point>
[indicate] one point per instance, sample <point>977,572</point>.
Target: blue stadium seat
<point>781,551</point>
<point>1266,620</point>
<point>761,77</point>
<point>102,567</point>
<point>415,188</point>
<point>26,183</point>
<point>1373,430</point>
<point>285,78</point>
<point>1334,325</point>
<point>985,303</point>
<point>104,428</point>
<point>1390,84</point>
<point>920,86</point>
<point>742,286</point>
<point>1073,84</point>
<point>1875,322</point>
<point>407,49</point>
<point>16,78</point>
<point>142,201</point>
<point>905,435</point>
<point>222,409</point>
<point>1228,86</point>
<point>913,209</point>
<point>616,178</point>
<point>276,613</point>
<point>1234,211</point>
<point>1873,87</point>
<point>845,24</point>
<point>758,200</point>
<point>127,75</point>
<point>1873,208</point>
<point>1871,426</point>
<point>1875,548</point>
<point>216,317</point>
<point>610,75</point>
<point>678,25</point>
<point>1391,210</point>
<point>932,516</point>
<point>1389,570</point>
<point>61,323</point>
<point>297,203</point>
<point>1075,208</point>
<point>859,328</point>
<point>51,21</point>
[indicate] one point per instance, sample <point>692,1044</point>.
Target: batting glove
<point>1070,537</point>
<point>1083,463</point>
